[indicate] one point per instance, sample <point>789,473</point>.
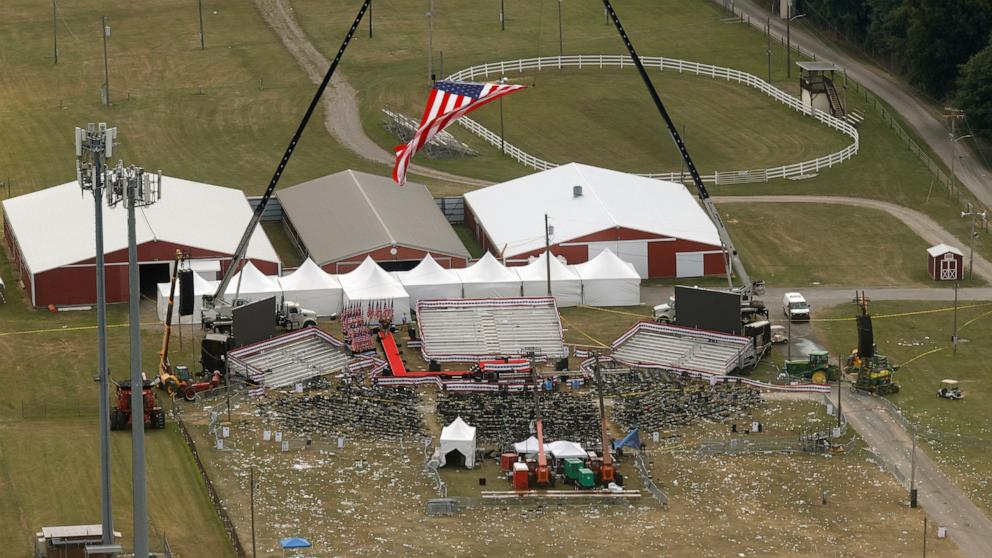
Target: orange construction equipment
<point>542,473</point>
<point>607,472</point>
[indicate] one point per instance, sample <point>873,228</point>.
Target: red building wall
<point>403,253</point>
<point>76,284</point>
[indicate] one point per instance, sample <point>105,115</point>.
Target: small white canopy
<point>566,286</point>
<point>608,281</point>
<point>430,281</point>
<point>200,287</point>
<point>560,450</point>
<point>208,269</point>
<point>369,283</point>
<point>458,436</point>
<point>254,285</point>
<point>487,278</point>
<point>941,249</point>
<point>313,288</point>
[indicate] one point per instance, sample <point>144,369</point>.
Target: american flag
<point>449,101</point>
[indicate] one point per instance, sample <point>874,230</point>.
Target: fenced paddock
<point>798,170</point>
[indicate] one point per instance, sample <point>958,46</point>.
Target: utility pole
<point>788,41</point>
<point>55,31</point>
<point>370,19</point>
<point>924,535</point>
<point>547,247</point>
<point>430,44</point>
<point>502,16</point>
<point>975,215</point>
<point>561,43</point>
<point>106,68</point>
<point>94,146</point>
<point>199,6</point>
<point>136,189</point>
<point>912,472</point>
<point>768,48</point>
<point>954,337</point>
<point>788,343</point>
<point>251,498</point>
<point>840,380</point>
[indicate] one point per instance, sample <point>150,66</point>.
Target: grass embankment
<point>959,433</point>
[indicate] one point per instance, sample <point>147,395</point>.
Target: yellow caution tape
<point>621,312</point>
<point>586,335</point>
<point>975,319</point>
<point>904,314</point>
<point>919,356</point>
<point>61,329</point>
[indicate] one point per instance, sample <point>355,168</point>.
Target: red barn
<point>945,263</point>
<point>51,238</point>
<point>340,219</point>
<point>656,226</point>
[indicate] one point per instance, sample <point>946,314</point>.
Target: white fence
<point>794,170</point>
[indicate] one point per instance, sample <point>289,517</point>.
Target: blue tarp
<point>631,440</point>
<point>294,542</point>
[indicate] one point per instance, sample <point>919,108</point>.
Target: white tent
<point>560,449</point>
<point>458,436</point>
<point>487,278</point>
<point>251,284</point>
<point>566,286</point>
<point>369,283</point>
<point>200,287</point>
<point>313,288</point>
<point>609,281</point>
<point>429,281</point>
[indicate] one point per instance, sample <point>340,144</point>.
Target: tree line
<point>944,47</point>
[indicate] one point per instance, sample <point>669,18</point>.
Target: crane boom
<point>242,248</point>
<point>543,473</point>
<point>607,472</point>
<point>748,287</point>
<point>163,363</point>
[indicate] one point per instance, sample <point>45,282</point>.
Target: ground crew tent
<point>200,287</point>
<point>566,286</point>
<point>564,450</point>
<point>457,437</point>
<point>370,284</point>
<point>608,281</point>
<point>313,289</point>
<point>430,281</point>
<point>487,278</point>
<point>251,284</point>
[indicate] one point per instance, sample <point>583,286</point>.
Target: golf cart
<point>949,390</point>
<point>779,334</point>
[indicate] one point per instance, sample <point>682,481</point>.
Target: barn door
<point>948,269</point>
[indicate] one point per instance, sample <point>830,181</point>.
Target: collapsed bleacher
<point>288,359</point>
<point>469,330</point>
<point>654,345</point>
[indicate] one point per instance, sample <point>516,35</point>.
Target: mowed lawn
<point>959,433</point>
<point>802,244</point>
<point>49,441</point>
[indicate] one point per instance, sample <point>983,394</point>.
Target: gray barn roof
<point>352,212</point>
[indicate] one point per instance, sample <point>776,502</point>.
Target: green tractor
<point>817,368</point>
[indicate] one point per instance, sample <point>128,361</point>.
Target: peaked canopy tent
<point>458,437</point>
<point>566,286</point>
<point>200,287</point>
<point>313,288</point>
<point>487,278</point>
<point>430,281</point>
<point>608,281</point>
<point>251,284</point>
<point>559,450</point>
<point>370,284</point>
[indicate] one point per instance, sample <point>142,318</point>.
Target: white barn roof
<point>941,249</point>
<point>54,226</point>
<point>513,212</point>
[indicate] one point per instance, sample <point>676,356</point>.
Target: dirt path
<point>923,225</point>
<point>920,117</point>
<point>342,118</point>
<point>967,525</point>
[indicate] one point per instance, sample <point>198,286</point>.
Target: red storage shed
<point>945,263</point>
<point>655,225</point>
<point>51,238</point>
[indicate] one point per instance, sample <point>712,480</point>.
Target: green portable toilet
<point>586,478</point>
<point>572,466</point>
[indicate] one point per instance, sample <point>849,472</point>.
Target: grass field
<point>959,433</point>
<point>49,442</point>
<point>801,244</point>
<point>368,500</point>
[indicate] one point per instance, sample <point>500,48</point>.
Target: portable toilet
<point>521,476</point>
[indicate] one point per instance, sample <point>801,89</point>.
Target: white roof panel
<point>943,249</point>
<point>54,226</point>
<point>513,212</point>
